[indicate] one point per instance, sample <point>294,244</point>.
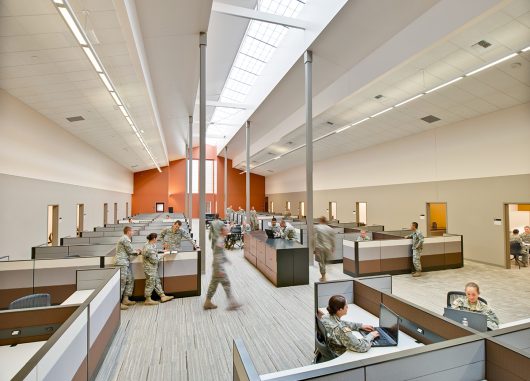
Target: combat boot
<point>123,307</point>
<point>233,305</point>
<point>150,302</point>
<point>208,305</point>
<point>164,298</point>
<point>416,274</point>
<point>128,302</point>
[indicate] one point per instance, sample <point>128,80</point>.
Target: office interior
<point>372,114</point>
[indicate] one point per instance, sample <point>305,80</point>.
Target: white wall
<point>491,145</point>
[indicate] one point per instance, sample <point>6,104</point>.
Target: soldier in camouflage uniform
<point>470,302</point>
<point>525,237</point>
<point>152,280</point>
<point>229,212</point>
<point>339,333</point>
<point>363,236</point>
<point>218,232</point>
<point>417,248</point>
<point>254,225</point>
<point>171,237</point>
<point>122,260</point>
<point>324,244</point>
<point>275,227</point>
<point>287,231</point>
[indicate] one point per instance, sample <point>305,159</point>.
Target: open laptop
<point>270,233</point>
<point>475,320</point>
<point>388,329</point>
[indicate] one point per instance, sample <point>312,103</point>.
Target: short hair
<point>336,302</point>
<point>473,285</point>
<point>177,222</point>
<point>415,224</point>
<point>515,231</point>
<point>126,229</point>
<point>151,236</point>
<point>527,227</point>
<point>274,219</point>
<point>322,220</point>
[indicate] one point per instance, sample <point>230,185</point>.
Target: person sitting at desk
<point>340,333</point>
<point>173,235</point>
<point>363,236</point>
<point>122,260</point>
<point>470,302</point>
<point>525,237</point>
<point>152,279</point>
<point>287,231</point>
<point>275,227</point>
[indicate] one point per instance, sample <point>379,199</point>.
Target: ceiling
<point>503,86</point>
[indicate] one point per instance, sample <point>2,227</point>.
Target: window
<point>160,207</point>
<point>272,206</point>
<point>211,176</point>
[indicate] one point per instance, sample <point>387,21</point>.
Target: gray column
<point>186,213</point>
<point>190,171</point>
<point>226,181</point>
<point>247,153</point>
<point>202,149</point>
<point>308,61</point>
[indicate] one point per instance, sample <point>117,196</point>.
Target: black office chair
<point>322,351</point>
<point>235,239</point>
<point>31,301</point>
<point>453,295</point>
<point>516,251</point>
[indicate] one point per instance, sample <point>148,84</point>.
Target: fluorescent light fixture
<point>351,125</point>
<point>277,157</point>
<point>323,136</point>
<point>58,1</point>
<point>443,85</point>
<point>491,64</point>
<point>72,25</point>
<point>129,120</point>
<point>92,59</point>
<point>116,98</point>
<point>409,100</point>
<point>106,82</point>
<point>526,49</point>
<point>142,131</point>
<point>123,111</point>
<point>382,112</point>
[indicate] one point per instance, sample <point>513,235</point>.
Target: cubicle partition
<point>508,354</point>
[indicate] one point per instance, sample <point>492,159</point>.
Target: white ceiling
<point>505,85</point>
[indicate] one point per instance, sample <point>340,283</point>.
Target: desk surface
<point>277,243</point>
<point>78,297</point>
<point>358,315</point>
<point>12,359</point>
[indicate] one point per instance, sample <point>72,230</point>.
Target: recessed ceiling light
<point>92,59</point>
<point>381,112</point>
<point>123,111</point>
<point>491,64</point>
<point>443,85</point>
<point>72,25</point>
<point>430,119</point>
<point>409,100</point>
<point>526,49</point>
<point>142,131</point>
<point>106,82</point>
<point>116,98</point>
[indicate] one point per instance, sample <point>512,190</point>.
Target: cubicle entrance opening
<point>115,213</point>
<point>361,213</point>
<point>436,219</point>
<point>53,225</point>
<point>516,216</point>
<point>80,218</point>
<point>126,209</point>
<point>332,211</point>
<point>301,209</point>
<point>266,204</point>
<point>288,205</point>
<point>105,213</point>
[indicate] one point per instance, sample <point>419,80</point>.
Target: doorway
<point>332,210</point>
<point>115,213</point>
<point>272,206</point>
<point>105,213</point>
<point>301,209</point>
<point>266,204</point>
<point>436,219</point>
<point>288,206</point>
<point>53,225</point>
<point>361,209</point>
<point>80,218</point>
<point>516,216</point>
<point>159,207</point>
<point>126,209</point>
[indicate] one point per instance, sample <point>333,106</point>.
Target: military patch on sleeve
<point>346,329</point>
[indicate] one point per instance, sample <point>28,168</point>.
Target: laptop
<point>270,233</point>
<point>475,320</point>
<point>388,329</point>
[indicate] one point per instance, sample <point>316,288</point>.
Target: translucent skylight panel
<point>242,76</point>
<point>242,88</point>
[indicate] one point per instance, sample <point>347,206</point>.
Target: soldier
<point>229,211</point>
<point>275,227</point>
<point>122,260</point>
<point>254,225</point>
<point>363,236</point>
<point>521,249</point>
<point>287,231</point>
<point>525,237</point>
<point>417,248</point>
<point>171,237</point>
<point>340,333</point>
<point>324,244</point>
<point>470,302</point>
<point>218,232</point>
<point>152,280</point>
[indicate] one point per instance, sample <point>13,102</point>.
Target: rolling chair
<point>322,351</point>
<point>516,251</point>
<point>453,295</point>
<point>235,239</point>
<point>31,301</point>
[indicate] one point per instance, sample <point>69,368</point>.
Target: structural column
<point>186,212</point>
<point>247,153</point>
<point>308,62</point>
<point>226,182</point>
<point>190,171</point>
<point>202,150</point>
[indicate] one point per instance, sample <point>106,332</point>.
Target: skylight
<point>259,44</point>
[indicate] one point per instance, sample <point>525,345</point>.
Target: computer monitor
<point>270,233</point>
<point>475,320</point>
<point>389,322</point>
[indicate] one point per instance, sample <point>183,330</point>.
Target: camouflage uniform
<point>525,237</point>
<point>152,279</point>
<point>276,230</point>
<point>359,239</point>
<point>254,220</point>
<point>124,251</point>
<point>417,248</point>
<point>288,232</point>
<point>464,304</point>
<point>341,338</point>
<point>218,270</point>
<point>324,244</point>
<point>173,238</point>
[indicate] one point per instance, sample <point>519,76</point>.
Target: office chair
<point>31,301</point>
<point>322,351</point>
<point>453,295</point>
<point>235,239</point>
<point>516,251</point>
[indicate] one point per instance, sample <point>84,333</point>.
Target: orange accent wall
<point>168,187</point>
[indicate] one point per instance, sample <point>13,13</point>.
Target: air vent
<point>330,123</point>
<point>75,118</point>
<point>378,96</point>
<point>289,143</point>
<point>134,166</point>
<point>253,161</point>
<point>270,153</point>
<point>430,119</point>
<point>483,43</point>
<point>270,170</point>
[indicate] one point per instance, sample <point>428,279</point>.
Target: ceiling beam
<point>226,105</point>
<point>252,14</point>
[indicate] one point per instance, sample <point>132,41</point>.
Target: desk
<point>12,359</point>
<point>78,297</point>
<point>358,315</point>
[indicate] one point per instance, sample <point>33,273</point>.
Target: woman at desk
<point>340,333</point>
<point>470,302</point>
<point>152,280</point>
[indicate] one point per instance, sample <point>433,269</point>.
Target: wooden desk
<point>12,359</point>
